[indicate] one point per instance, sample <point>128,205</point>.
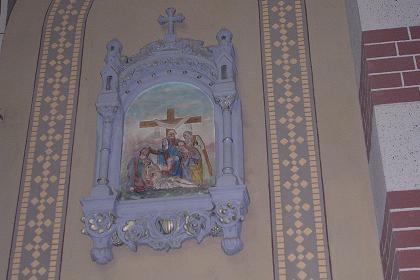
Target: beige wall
<point>18,59</point>
<point>350,215</point>
<point>353,241</point>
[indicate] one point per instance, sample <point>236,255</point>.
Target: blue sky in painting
<point>185,98</point>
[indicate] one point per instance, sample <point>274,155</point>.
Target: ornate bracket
<point>164,223</point>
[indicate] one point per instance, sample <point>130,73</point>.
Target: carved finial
<point>224,37</point>
<point>113,51</point>
<point>171,18</point>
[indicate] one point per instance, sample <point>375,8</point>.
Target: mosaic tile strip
<point>43,194</point>
<point>300,244</point>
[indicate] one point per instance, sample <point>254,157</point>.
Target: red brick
<point>385,35</point>
<point>405,219</point>
<point>386,230</point>
<point>403,199</point>
<point>411,78</point>
<point>391,267</point>
<point>395,96</point>
<point>380,50</point>
<point>385,80</point>
<point>404,239</point>
<point>387,255</point>
<point>409,275</point>
<point>415,34</point>
<point>411,47</point>
<point>390,64</point>
<point>418,62</point>
<point>408,259</point>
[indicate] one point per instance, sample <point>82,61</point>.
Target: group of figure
<point>179,164</point>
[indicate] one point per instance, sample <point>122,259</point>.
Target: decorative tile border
<point>300,244</point>
<point>43,194</point>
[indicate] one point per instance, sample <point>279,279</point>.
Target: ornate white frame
<point>164,223</point>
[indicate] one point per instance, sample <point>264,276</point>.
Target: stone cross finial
<point>171,18</point>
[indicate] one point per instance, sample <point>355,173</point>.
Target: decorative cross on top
<point>171,19</point>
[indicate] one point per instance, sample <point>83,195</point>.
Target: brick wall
<point>390,73</point>
<point>400,243</point>
<point>390,70</point>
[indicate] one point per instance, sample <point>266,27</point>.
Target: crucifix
<point>171,18</point>
<point>171,122</point>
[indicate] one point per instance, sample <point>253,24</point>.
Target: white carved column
<point>228,177</point>
<point>225,95</point>
<point>107,107</point>
<point>107,113</point>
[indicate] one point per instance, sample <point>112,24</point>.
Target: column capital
<point>225,101</point>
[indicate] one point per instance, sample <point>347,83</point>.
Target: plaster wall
<point>377,178</point>
<point>382,14</point>
<point>18,59</point>
<point>350,214</point>
<point>398,133</point>
<point>349,204</point>
<point>3,18</point>
<point>355,32</point>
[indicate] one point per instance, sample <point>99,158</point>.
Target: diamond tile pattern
<point>300,245</point>
<point>39,222</point>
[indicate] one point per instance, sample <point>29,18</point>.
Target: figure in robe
<point>141,170</point>
<point>191,163</point>
<point>168,156</point>
<point>195,141</point>
<point>144,174</point>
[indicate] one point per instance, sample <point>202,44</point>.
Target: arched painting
<point>168,144</point>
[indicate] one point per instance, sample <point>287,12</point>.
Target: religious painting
<point>168,143</point>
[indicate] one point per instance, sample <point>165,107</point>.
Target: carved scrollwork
<point>229,213</point>
<point>225,101</point>
<point>98,223</point>
<point>164,232</point>
<point>186,46</point>
<point>194,224</point>
<point>229,216</point>
<point>134,231</point>
<point>166,225</point>
<point>216,230</point>
<point>116,241</point>
<point>162,65</point>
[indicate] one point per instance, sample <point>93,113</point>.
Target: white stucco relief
<point>398,127</point>
<point>383,14</point>
<point>377,178</point>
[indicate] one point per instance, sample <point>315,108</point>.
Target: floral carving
<point>187,46</point>
<point>116,241</point>
<point>225,101</point>
<point>228,213</point>
<point>134,231</point>
<point>98,223</point>
<point>194,224</point>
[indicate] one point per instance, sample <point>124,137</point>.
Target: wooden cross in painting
<point>170,120</point>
